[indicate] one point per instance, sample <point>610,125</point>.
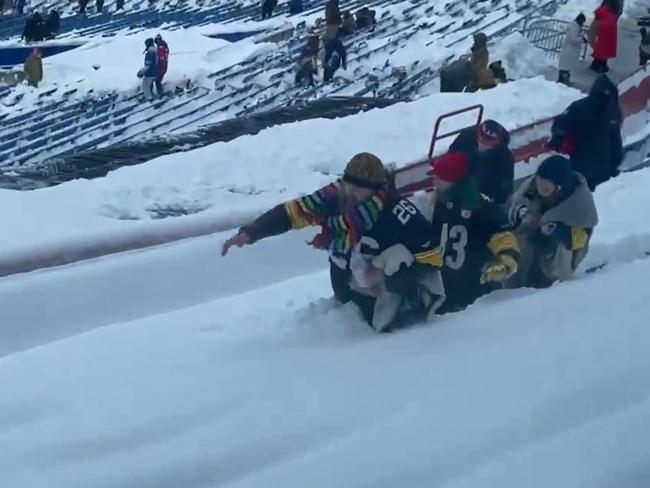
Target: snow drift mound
<point>524,388</point>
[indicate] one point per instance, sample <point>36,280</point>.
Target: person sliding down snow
<point>480,251</point>
<point>554,215</point>
<point>380,253</point>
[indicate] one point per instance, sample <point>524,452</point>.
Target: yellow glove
<point>432,257</point>
<point>501,269</point>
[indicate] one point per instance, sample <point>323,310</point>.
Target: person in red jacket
<point>603,35</point>
<point>163,57</point>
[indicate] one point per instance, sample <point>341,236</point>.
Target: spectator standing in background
<point>20,6</point>
<point>82,6</point>
<point>333,19</point>
<point>335,46</point>
<point>296,7</point>
<point>479,60</point>
<point>162,50</point>
<point>149,72</point>
<point>268,6</point>
<point>307,63</point>
<point>573,42</point>
<point>349,24</point>
<point>34,28</point>
<point>34,68</point>
<point>52,24</point>
<point>603,33</point>
<point>365,18</point>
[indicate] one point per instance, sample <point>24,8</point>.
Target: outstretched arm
<point>275,221</point>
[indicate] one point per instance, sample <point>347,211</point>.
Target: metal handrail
<point>549,35</point>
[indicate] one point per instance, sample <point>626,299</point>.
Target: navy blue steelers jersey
<point>464,236</point>
<point>399,223</point>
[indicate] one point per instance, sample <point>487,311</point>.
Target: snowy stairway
<point>396,32</point>
<point>136,119</point>
<point>267,81</point>
<point>50,122</point>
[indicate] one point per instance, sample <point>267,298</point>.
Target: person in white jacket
<point>573,42</point>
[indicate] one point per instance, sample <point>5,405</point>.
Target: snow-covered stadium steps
<point>256,381</point>
<point>395,36</point>
<point>130,117</point>
<point>69,133</point>
<point>109,23</point>
<point>390,31</point>
<point>49,124</point>
<point>238,101</point>
<point>422,72</point>
<point>271,83</point>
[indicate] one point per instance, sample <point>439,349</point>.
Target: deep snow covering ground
<point>273,387</point>
<point>250,173</point>
<point>111,63</point>
<point>570,10</point>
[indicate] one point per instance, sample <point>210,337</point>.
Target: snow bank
<point>523,60</point>
<point>570,10</point>
<point>251,173</point>
<point>274,387</point>
<point>112,63</point>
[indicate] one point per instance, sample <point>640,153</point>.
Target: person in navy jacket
<point>149,72</point>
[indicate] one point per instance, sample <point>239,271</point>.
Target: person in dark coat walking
<point>589,131</point>
<point>296,7</point>
<point>34,28</point>
<point>52,24</point>
<point>349,24</point>
<point>268,6</point>
<point>331,67</point>
<point>333,20</point>
<point>336,46</point>
<point>491,160</point>
<point>365,18</point>
<point>20,6</point>
<point>333,13</point>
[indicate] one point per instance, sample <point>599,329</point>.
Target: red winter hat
<point>490,133</point>
<point>451,167</point>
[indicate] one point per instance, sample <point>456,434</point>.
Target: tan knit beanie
<point>365,170</point>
